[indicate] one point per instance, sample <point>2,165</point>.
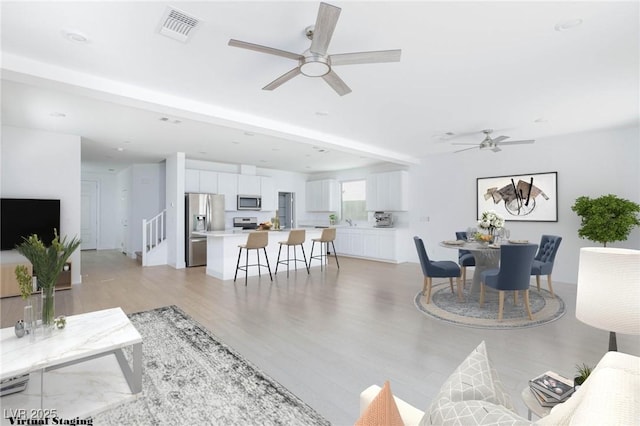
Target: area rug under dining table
<point>445,306</point>
<point>190,377</point>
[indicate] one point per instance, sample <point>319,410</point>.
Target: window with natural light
<point>354,200</point>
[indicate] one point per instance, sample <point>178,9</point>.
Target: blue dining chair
<point>437,269</point>
<point>512,275</point>
<point>465,257</point>
<point>543,262</point>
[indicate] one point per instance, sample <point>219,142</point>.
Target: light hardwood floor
<point>329,335</point>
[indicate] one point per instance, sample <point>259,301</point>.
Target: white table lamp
<point>608,295</point>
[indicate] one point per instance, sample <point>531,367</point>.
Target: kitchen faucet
<point>349,221</point>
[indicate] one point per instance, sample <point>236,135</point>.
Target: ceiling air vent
<point>177,25</point>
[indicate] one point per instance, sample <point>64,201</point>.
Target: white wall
<point>592,164</point>
<point>108,223</point>
<point>175,166</point>
<point>37,164</point>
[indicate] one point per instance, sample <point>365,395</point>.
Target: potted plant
<point>607,218</point>
<point>332,219</point>
<point>47,264</point>
<point>583,371</point>
<point>25,283</point>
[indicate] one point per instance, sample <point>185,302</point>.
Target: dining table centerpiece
<point>490,221</point>
<point>47,263</point>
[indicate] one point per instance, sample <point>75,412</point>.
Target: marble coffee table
<point>77,371</point>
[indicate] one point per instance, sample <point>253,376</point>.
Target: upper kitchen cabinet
<point>200,181</point>
<point>388,191</point>
<point>248,185</point>
<point>228,186</point>
<point>269,195</point>
<point>323,195</point>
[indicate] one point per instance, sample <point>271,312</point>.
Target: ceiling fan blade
<point>323,31</point>
<point>282,79</point>
<point>496,149</point>
<point>500,139</point>
<point>462,143</point>
<point>518,142</point>
<point>466,149</point>
<point>336,83</point>
<point>366,57</point>
<point>265,49</point>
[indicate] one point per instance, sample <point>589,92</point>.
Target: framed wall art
<point>527,198</point>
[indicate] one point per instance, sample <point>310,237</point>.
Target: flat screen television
<point>22,217</point>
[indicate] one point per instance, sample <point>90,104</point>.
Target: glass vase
<point>48,307</point>
<point>29,318</point>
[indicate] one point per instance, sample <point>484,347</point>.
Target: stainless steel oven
<point>249,202</point>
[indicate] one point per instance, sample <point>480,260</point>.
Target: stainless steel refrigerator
<point>203,212</point>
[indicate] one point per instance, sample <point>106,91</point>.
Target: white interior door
<point>89,215</point>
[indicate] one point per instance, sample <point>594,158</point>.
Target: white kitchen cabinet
<point>248,184</point>
<point>369,243</point>
<point>388,191</point>
<point>269,194</point>
<point>228,186</point>
<point>208,182</point>
<point>323,195</point>
<point>200,181</point>
<point>191,180</point>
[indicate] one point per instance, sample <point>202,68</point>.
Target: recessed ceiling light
<point>263,161</point>
<point>201,152</point>
<point>119,149</point>
<point>75,36</point>
<point>58,114</point>
<point>275,149</point>
<point>127,141</point>
<point>235,142</point>
<point>540,120</point>
<point>112,170</point>
<point>568,24</point>
<point>249,134</point>
<point>164,118</point>
<point>322,113</point>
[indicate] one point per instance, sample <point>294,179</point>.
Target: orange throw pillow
<point>382,411</point>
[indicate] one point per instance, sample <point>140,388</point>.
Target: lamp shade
<point>608,294</point>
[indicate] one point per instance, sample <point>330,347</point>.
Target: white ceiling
<point>465,66</point>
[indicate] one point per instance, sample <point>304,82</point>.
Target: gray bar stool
<point>296,238</point>
<point>255,241</point>
<point>328,236</point>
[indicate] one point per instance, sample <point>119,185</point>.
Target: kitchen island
<point>222,252</point>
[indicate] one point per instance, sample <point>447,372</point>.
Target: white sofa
<point>611,396</point>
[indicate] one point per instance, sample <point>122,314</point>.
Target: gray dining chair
<point>512,275</point>
<point>436,269</point>
<point>546,256</point>
<point>465,257</point>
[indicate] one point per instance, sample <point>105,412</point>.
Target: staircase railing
<point>153,233</point>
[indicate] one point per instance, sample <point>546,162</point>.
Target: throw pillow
<point>469,413</point>
<point>382,411</point>
<point>475,379</point>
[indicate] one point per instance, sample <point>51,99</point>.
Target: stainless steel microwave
<point>249,202</point>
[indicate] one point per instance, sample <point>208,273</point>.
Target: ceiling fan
<point>493,144</point>
<point>315,61</point>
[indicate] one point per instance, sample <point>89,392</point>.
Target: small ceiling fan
<point>315,61</point>
<point>493,144</point>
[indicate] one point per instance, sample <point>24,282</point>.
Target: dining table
<point>487,256</point>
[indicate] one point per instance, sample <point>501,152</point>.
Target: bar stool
<point>327,236</point>
<point>255,241</point>
<point>296,238</point>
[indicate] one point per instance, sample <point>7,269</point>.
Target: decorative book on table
<point>543,399</point>
<point>553,385</point>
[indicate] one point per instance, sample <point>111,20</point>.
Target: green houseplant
<point>582,372</point>
<point>47,264</point>
<point>607,218</point>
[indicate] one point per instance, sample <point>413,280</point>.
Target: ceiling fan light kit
<point>315,62</point>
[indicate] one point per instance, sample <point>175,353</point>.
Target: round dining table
<point>487,256</point>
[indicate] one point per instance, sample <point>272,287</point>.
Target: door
<point>89,215</point>
<point>286,209</point>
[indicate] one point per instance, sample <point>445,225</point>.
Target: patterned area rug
<point>191,378</point>
<point>445,306</point>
